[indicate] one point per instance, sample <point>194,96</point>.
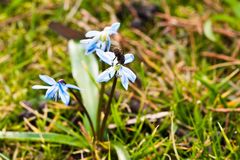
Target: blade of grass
<point>42,137</point>
<point>229,146</point>
<point>4,157</point>
<point>227,78</point>
<point>57,124</point>
<point>173,130</point>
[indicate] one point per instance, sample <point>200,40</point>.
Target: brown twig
<point>220,56</point>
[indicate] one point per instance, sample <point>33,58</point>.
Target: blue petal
<point>65,97</point>
<point>128,73</point>
<point>106,75</point>
<point>103,46</point>
<point>51,92</point>
<point>92,33</point>
<point>40,87</point>
<point>91,48</point>
<point>114,28</point>
<point>47,79</point>
<point>92,45</point>
<point>72,86</point>
<point>107,57</point>
<point>128,58</point>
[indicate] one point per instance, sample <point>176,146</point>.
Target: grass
<point>180,67</point>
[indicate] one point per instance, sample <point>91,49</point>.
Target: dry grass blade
<point>225,110</point>
<point>220,56</point>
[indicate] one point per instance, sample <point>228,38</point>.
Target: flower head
<point>116,61</point>
<point>99,39</point>
<point>56,90</point>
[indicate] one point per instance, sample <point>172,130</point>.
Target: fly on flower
<point>99,39</point>
<point>116,60</point>
<point>56,90</point>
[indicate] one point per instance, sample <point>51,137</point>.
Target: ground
<point>187,64</point>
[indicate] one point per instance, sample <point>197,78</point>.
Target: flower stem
<point>85,111</point>
<point>100,104</point>
<point>107,111</point>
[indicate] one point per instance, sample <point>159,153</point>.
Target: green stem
<point>85,111</point>
<point>100,104</point>
<point>107,111</point>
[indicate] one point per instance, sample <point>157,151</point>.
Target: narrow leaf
<point>43,137</point>
<point>226,138</point>
<point>4,157</point>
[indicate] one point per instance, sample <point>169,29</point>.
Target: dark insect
<point>119,55</point>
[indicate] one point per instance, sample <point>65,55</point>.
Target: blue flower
<point>116,62</point>
<point>56,90</point>
<point>99,39</point>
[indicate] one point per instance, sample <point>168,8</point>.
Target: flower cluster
<point>99,42</point>
<point>116,61</point>
<point>100,39</point>
<point>56,90</point>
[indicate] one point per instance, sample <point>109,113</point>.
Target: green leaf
<point>122,153</point>
<point>13,6</point>
<point>4,157</point>
<point>235,6</point>
<point>207,83</point>
<point>85,71</point>
<point>226,18</point>
<point>207,28</point>
<point>43,137</point>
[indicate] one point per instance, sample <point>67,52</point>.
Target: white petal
<point>90,41</point>
<point>111,55</point>
<point>128,58</point>
<point>106,75</point>
<point>92,33</point>
<point>114,28</point>
<point>72,86</point>
<point>128,73</point>
<point>107,57</point>
<point>124,81</point>
<point>47,79</point>
<point>85,41</point>
<point>40,87</point>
